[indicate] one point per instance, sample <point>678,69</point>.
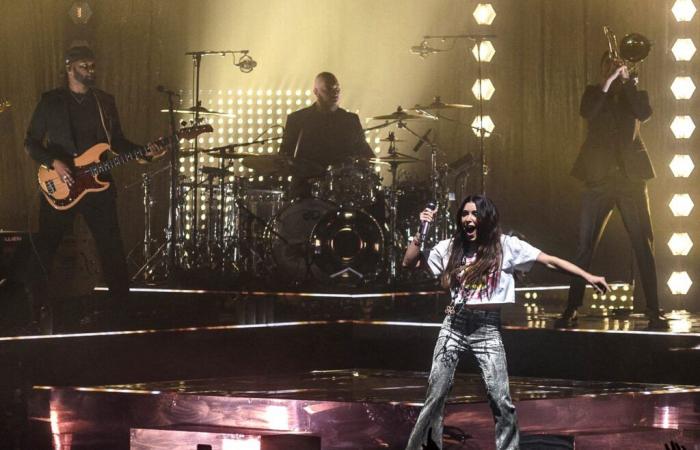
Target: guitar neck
<point>122,158</point>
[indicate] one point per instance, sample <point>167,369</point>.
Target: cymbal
<point>280,166</point>
<point>202,111</point>
<point>393,159</point>
<point>400,114</point>
<point>437,104</point>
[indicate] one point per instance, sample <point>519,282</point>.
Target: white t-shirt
<point>517,255</point>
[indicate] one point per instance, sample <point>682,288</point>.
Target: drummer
<point>321,135</point>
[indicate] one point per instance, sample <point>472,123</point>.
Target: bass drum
<point>288,236</point>
<point>348,247</point>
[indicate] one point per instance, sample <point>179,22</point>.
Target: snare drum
<point>354,184</point>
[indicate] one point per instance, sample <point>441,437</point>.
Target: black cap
<point>77,53</point>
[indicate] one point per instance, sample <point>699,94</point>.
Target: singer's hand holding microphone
<point>426,218</point>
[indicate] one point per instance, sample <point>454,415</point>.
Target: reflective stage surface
<point>359,409</point>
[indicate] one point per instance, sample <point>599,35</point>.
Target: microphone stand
<point>170,231</point>
<point>196,67</point>
<point>478,38</point>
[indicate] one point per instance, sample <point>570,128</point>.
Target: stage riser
<point>105,420</point>
<point>189,354</point>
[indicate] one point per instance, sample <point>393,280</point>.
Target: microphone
<point>424,49</point>
<point>421,141</point>
<point>247,64</point>
<point>424,224</point>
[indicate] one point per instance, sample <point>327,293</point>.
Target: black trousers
<point>632,200</point>
<point>99,209</point>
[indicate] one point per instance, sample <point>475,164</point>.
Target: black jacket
<point>614,137</point>
<point>50,137</point>
<point>327,138</point>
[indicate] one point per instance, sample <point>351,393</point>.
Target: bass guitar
<point>87,167</point>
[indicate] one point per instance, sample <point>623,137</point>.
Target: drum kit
<point>350,231</point>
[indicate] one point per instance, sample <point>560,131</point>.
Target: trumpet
<point>631,51</point>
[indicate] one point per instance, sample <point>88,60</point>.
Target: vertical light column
<point>682,126</point>
<point>483,88</point>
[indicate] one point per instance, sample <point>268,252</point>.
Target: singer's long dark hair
<point>488,251</point>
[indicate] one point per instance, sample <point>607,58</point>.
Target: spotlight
<point>487,89</point>
<point>682,127</point>
<point>484,125</point>
<point>680,244</point>
<point>683,10</point>
<point>484,14</point>
<point>683,49</point>
<point>683,88</point>
<point>681,166</point>
<point>483,51</point>
<point>679,283</point>
<point>681,205</point>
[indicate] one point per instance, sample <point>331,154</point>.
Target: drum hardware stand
<point>393,202</point>
<point>243,208</point>
<point>478,39</point>
<point>440,196</point>
<point>221,223</point>
<point>170,231</point>
<point>246,64</point>
<point>147,269</point>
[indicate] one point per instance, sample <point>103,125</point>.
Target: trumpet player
<point>614,166</point>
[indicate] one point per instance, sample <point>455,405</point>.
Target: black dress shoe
<point>658,322</point>
<point>568,319</point>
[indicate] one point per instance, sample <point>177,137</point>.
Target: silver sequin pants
<point>479,332</point>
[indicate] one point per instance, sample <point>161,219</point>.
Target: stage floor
<point>361,409</point>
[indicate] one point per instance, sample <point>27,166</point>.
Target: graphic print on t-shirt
<point>475,291</point>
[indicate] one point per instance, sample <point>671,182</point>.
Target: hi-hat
<point>400,114</point>
<point>394,159</point>
<point>199,109</point>
<point>437,104</point>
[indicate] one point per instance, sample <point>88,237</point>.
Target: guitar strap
<point>102,119</point>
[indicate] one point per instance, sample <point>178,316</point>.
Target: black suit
<point>54,133</point>
<point>320,139</point>
<point>614,165</point>
<point>324,138</point>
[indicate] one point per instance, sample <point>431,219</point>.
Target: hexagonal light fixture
<point>683,49</point>
<point>484,14</point>
<point>682,127</point>
<point>683,10</point>
<point>487,89</point>
<point>682,88</point>
<point>80,12</point>
<point>681,205</point>
<point>484,51</point>
<point>680,244</point>
<point>681,166</point>
<point>679,283</point>
<point>487,126</point>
